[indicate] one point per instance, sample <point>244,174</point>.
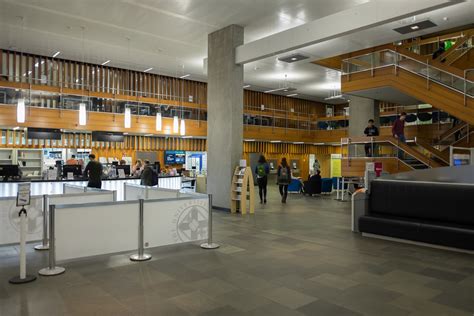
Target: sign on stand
<point>24,193</point>
<point>23,199</point>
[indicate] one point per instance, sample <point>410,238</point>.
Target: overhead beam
<point>365,16</point>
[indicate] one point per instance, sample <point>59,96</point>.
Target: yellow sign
<point>335,167</point>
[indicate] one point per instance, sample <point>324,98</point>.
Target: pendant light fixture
<point>82,114</point>
<point>182,129</point>
<point>128,118</point>
<point>158,122</point>
<point>82,105</point>
<point>20,107</point>
<point>20,111</point>
<point>175,124</point>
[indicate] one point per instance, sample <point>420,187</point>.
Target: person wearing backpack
<point>262,170</point>
<point>284,179</point>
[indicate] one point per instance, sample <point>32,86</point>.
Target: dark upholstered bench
<point>429,212</point>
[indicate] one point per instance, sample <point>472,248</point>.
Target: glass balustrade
<point>386,58</point>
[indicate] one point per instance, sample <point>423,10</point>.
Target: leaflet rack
<point>242,191</point>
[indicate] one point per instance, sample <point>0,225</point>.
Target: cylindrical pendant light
<point>128,118</point>
<point>20,111</point>
<point>183,128</point>
<point>82,114</point>
<point>158,122</point>
<point>175,124</point>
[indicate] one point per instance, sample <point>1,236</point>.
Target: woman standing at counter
<point>137,168</point>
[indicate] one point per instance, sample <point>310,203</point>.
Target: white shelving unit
<point>6,156</point>
<point>30,162</point>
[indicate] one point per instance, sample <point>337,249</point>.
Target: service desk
<point>40,187</point>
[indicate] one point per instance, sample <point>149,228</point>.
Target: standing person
<point>262,170</point>
<point>146,177</point>
<point>284,179</point>
<point>370,131</point>
<point>398,128</point>
<point>316,165</point>
<point>93,172</point>
<point>398,131</point>
<point>137,168</point>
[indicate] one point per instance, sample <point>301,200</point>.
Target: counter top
<point>80,179</point>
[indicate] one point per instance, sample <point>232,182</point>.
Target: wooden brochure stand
<point>242,188</point>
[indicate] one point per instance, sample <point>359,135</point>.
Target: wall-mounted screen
<point>44,133</point>
<point>107,137</point>
<point>175,157</point>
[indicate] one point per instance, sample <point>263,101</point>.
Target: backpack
<point>154,177</point>
<point>261,171</point>
<point>284,176</point>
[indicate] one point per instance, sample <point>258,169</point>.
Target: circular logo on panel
<point>191,222</point>
<point>34,218</point>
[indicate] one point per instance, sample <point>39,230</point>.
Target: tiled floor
<point>295,259</point>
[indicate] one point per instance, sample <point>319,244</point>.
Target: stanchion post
<point>52,269</point>
<point>64,188</point>
<point>209,244</point>
<point>45,243</point>
<point>23,277</point>
<point>141,255</point>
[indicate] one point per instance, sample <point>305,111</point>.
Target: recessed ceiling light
<point>185,76</point>
<point>293,57</point>
<point>56,54</point>
<point>298,143</point>
<point>187,137</point>
<point>148,134</point>
<point>414,27</point>
<point>292,95</point>
<point>249,140</point>
<point>105,62</point>
<point>275,141</point>
<point>318,144</point>
<point>247,86</point>
<point>15,128</point>
<point>147,70</point>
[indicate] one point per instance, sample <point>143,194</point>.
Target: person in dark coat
<point>93,172</point>
<point>146,177</point>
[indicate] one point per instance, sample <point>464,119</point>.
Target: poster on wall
<point>335,165</point>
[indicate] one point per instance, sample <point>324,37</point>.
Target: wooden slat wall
<point>104,79</point>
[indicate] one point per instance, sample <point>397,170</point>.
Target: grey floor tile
<point>322,307</point>
<point>288,297</point>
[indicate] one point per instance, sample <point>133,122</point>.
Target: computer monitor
<point>7,171</point>
<point>75,169</point>
<point>115,163</point>
<point>126,169</point>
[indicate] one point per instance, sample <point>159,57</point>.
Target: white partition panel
<point>95,229</point>
<point>81,198</point>
<point>175,221</point>
<point>170,183</point>
<point>134,192</point>
<point>10,222</point>
<point>160,193</point>
<point>72,188</point>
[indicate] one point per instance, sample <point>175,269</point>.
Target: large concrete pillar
<point>360,112</point>
<point>224,112</point>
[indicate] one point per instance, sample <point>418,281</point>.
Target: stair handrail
<point>383,139</point>
<point>427,65</point>
<point>466,71</point>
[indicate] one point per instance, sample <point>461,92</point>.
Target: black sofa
<point>435,213</point>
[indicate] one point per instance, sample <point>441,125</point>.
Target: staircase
<point>443,87</point>
<point>403,155</point>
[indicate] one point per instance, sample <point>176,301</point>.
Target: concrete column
<point>224,112</point>
<point>360,112</point>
